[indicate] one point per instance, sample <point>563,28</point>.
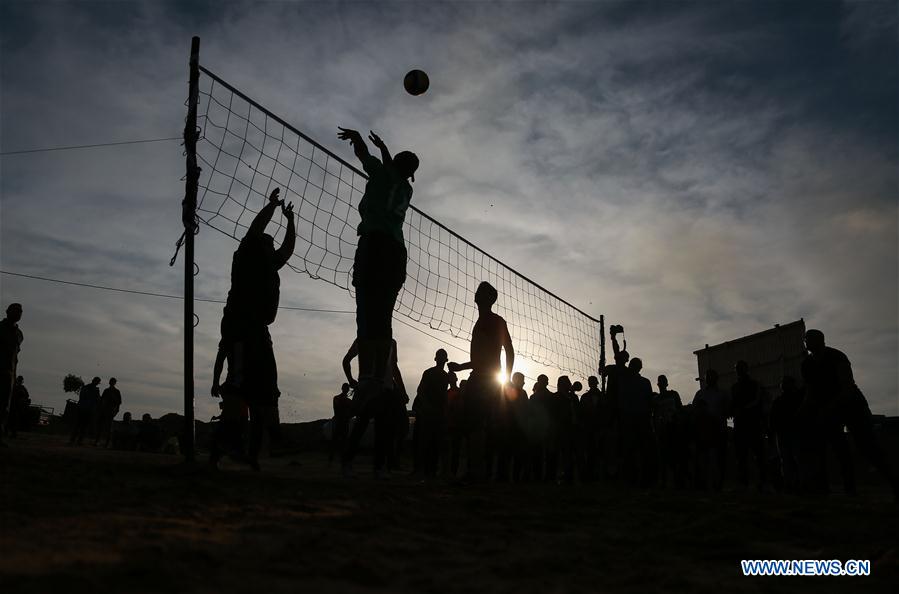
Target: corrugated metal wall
<point>770,354</point>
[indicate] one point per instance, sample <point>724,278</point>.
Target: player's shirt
<point>385,201</point>
<point>715,403</point>
<point>343,407</point>
<point>487,338</point>
<point>255,285</point>
<point>431,400</point>
<point>111,399</point>
<point>89,396</point>
<point>666,406</point>
<point>745,398</point>
<point>10,343</point>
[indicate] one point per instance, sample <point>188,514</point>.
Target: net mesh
<point>245,152</point>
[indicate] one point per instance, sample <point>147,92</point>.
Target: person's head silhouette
<point>622,358</point>
<point>814,341</point>
<point>662,382</point>
<point>593,382</point>
<point>636,365</point>
<point>14,312</point>
<point>406,164</point>
<point>96,381</point>
<point>440,358</point>
<point>518,380</point>
<point>485,296</point>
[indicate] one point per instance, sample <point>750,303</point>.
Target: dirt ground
<point>89,520</point>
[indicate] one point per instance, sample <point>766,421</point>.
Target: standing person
<point>785,425</point>
<point>666,406</point>
<point>340,422</point>
<point>839,402</point>
<point>610,415</point>
<point>88,401</point>
<point>455,422</point>
<point>566,404</point>
<point>588,431</point>
<point>637,438</point>
<point>251,307</point>
<point>749,431</point>
<point>110,403</point>
<point>11,338</point>
<point>430,415</point>
<point>18,406</point>
<point>542,427</point>
<point>710,406</point>
<point>380,406</point>
<point>379,266</point>
<point>517,411</point>
<point>489,337</point>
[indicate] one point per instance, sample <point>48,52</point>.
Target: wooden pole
<point>602,352</point>
<point>189,219</point>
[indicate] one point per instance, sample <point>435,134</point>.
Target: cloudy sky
<point>694,171</point>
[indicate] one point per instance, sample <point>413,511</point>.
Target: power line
<point>179,297</point>
<point>163,295</point>
<point>84,146</point>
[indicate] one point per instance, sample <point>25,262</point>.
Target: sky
<point>695,171</point>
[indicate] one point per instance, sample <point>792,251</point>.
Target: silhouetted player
<point>110,403</point>
<point>430,415</point>
<point>10,343</point>
<point>749,431</point>
<point>88,401</point>
<point>340,422</point>
<point>787,428</point>
<point>833,391</point>
<point>381,404</point>
<point>666,406</point>
<point>18,406</point>
<point>252,305</point>
<point>710,406</point>
<point>379,267</point>
<point>489,337</point>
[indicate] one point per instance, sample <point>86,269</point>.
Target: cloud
<point>695,172</point>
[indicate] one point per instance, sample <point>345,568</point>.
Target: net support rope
<point>245,151</point>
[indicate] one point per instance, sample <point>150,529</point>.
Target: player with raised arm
<point>379,267</point>
<point>489,337</point>
<point>251,306</point>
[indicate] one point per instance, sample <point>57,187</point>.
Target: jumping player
<point>252,305</point>
<point>379,267</point>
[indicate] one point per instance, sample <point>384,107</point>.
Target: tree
<point>72,383</point>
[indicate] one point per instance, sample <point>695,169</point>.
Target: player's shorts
<point>379,271</point>
<point>482,393</point>
<point>252,370</point>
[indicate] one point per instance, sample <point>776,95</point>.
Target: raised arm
<point>359,146</point>
<point>347,371</point>
<point>385,152</point>
<point>458,366</point>
<point>615,348</point>
<point>283,253</point>
<point>257,227</point>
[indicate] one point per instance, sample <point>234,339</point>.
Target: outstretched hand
<point>287,211</point>
<point>273,197</point>
<point>348,134</point>
<point>375,139</point>
<point>453,366</point>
